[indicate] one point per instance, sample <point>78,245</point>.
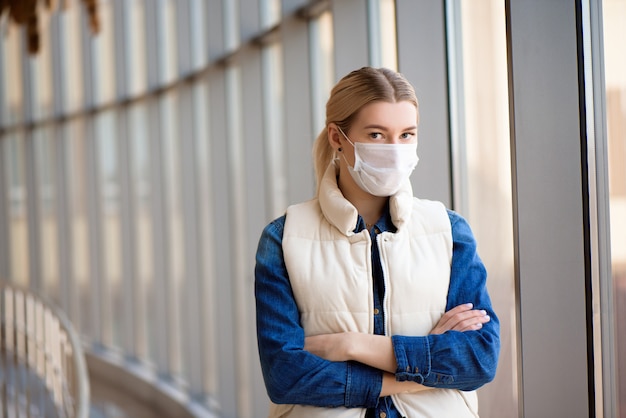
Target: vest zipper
<point>383,265</point>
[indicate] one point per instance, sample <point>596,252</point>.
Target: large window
<point>614,14</point>
<point>482,171</point>
<point>138,167</point>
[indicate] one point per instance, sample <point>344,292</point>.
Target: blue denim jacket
<point>455,360</point>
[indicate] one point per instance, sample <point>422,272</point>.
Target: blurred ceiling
<point>26,14</point>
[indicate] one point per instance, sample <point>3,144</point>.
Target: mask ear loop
<point>345,136</point>
<point>347,139</point>
<point>341,150</point>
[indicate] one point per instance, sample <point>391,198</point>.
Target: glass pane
<point>166,27</point>
<point>487,198</point>
<point>270,13</point>
<point>136,54</point>
<point>382,33</point>
<point>173,228</point>
<point>45,169</point>
<point>149,232</point>
<point>40,72</point>
<point>208,294</point>
<point>389,48</point>
<point>4,217</point>
<point>72,56</point>
<point>230,19</point>
<point>18,219</point>
<point>103,55</point>
<point>274,140</point>
<point>322,62</point>
<point>614,15</point>
<point>143,228</point>
<point>111,267</point>
<point>61,210</point>
<point>12,74</point>
<point>76,135</point>
<point>198,34</point>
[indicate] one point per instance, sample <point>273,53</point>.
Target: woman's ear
<point>334,136</point>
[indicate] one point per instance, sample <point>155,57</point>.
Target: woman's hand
<point>461,318</point>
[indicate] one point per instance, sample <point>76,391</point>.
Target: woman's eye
<point>376,135</point>
<point>407,135</point>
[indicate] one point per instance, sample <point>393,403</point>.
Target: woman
<point>371,302</point>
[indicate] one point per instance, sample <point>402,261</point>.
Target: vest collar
<point>343,215</point>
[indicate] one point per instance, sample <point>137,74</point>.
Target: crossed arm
<point>461,352</point>
<point>377,350</point>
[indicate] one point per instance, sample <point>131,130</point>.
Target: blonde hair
<point>350,94</point>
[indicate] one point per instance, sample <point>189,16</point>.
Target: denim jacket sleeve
<point>291,374</point>
<point>455,360</point>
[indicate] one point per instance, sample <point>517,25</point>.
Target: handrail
<point>42,359</point>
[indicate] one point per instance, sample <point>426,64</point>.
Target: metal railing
<point>42,363</point>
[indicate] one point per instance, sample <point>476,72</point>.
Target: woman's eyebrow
<point>384,128</point>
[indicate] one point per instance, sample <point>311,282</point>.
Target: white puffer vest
<point>330,272</point>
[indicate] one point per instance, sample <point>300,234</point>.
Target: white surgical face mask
<point>380,169</point>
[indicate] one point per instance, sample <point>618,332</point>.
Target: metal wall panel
<point>549,220</point>
<point>350,36</point>
<point>422,49</point>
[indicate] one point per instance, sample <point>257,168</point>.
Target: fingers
<point>462,318</point>
<point>473,322</point>
<point>455,315</point>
